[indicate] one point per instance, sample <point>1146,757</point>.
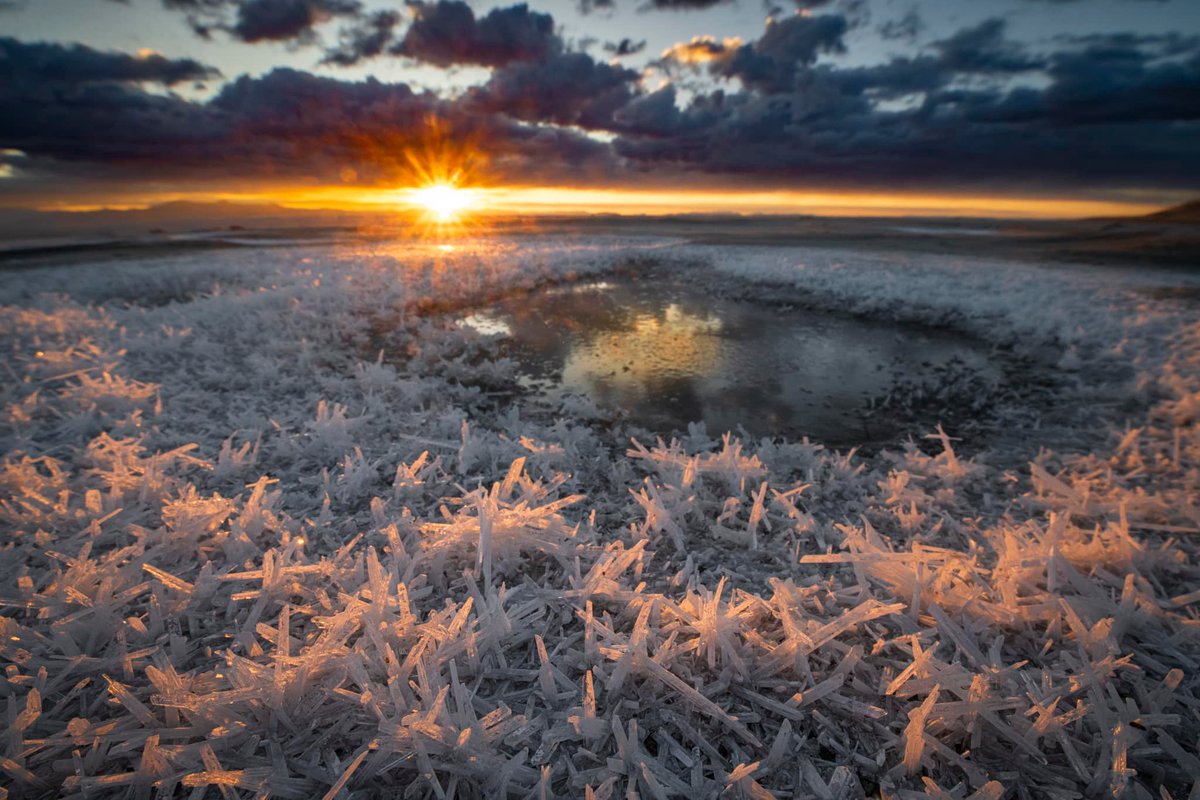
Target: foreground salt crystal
<point>245,554</point>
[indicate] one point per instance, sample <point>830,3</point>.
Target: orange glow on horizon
<point>446,201</point>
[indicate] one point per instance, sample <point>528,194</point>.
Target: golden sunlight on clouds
<point>700,49</point>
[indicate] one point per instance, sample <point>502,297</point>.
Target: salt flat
<point>244,554</point>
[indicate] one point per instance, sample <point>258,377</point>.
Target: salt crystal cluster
<point>245,554</point>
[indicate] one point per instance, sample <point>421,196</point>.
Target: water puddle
<point>668,354</point>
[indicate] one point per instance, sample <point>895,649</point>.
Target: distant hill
<point>1187,213</point>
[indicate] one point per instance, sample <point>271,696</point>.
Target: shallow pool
<point>669,353</point>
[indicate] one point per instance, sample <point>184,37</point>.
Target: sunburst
<point>444,203</point>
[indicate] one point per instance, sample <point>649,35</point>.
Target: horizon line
<point>562,201</point>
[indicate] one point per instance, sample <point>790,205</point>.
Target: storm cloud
<point>798,119</point>
<point>280,20</point>
<point>984,48</point>
<point>566,89</point>
<point>971,108</point>
<point>254,21</point>
<point>447,33</point>
<point>788,45</point>
<point>366,39</point>
<point>37,64</point>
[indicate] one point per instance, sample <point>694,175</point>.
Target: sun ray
<point>443,172</point>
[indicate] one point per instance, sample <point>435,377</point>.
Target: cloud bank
<point>972,108</point>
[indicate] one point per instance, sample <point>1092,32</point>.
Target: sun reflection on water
<point>651,349</point>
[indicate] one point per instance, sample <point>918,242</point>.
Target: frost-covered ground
<point>242,556</point>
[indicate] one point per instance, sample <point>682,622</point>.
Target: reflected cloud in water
<point>669,353</point>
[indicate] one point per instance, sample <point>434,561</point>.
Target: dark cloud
<point>1096,86</point>
<point>281,20</point>
<point>824,124</point>
<point>854,8</point>
<point>896,78</point>
<point>263,20</point>
<point>773,62</point>
<point>700,5</point>
<point>827,139</point>
<point>625,47</point>
<point>655,114</point>
<point>800,39</point>
<point>680,5</point>
<point>203,16</point>
<point>856,12</point>
<point>45,65</point>
<point>975,52</point>
<point>286,124</point>
<point>365,39</point>
<point>905,28</point>
<point>447,33</point>
<point>76,104</point>
<point>108,124</point>
<point>1155,45</point>
<point>294,122</point>
<point>566,88</point>
<point>973,109</point>
<point>199,6</point>
<point>984,48</point>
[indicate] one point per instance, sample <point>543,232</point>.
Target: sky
<point>1052,107</point>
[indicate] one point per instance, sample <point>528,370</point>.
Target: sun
<point>443,202</point>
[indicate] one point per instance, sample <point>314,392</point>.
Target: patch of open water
<point>669,353</point>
